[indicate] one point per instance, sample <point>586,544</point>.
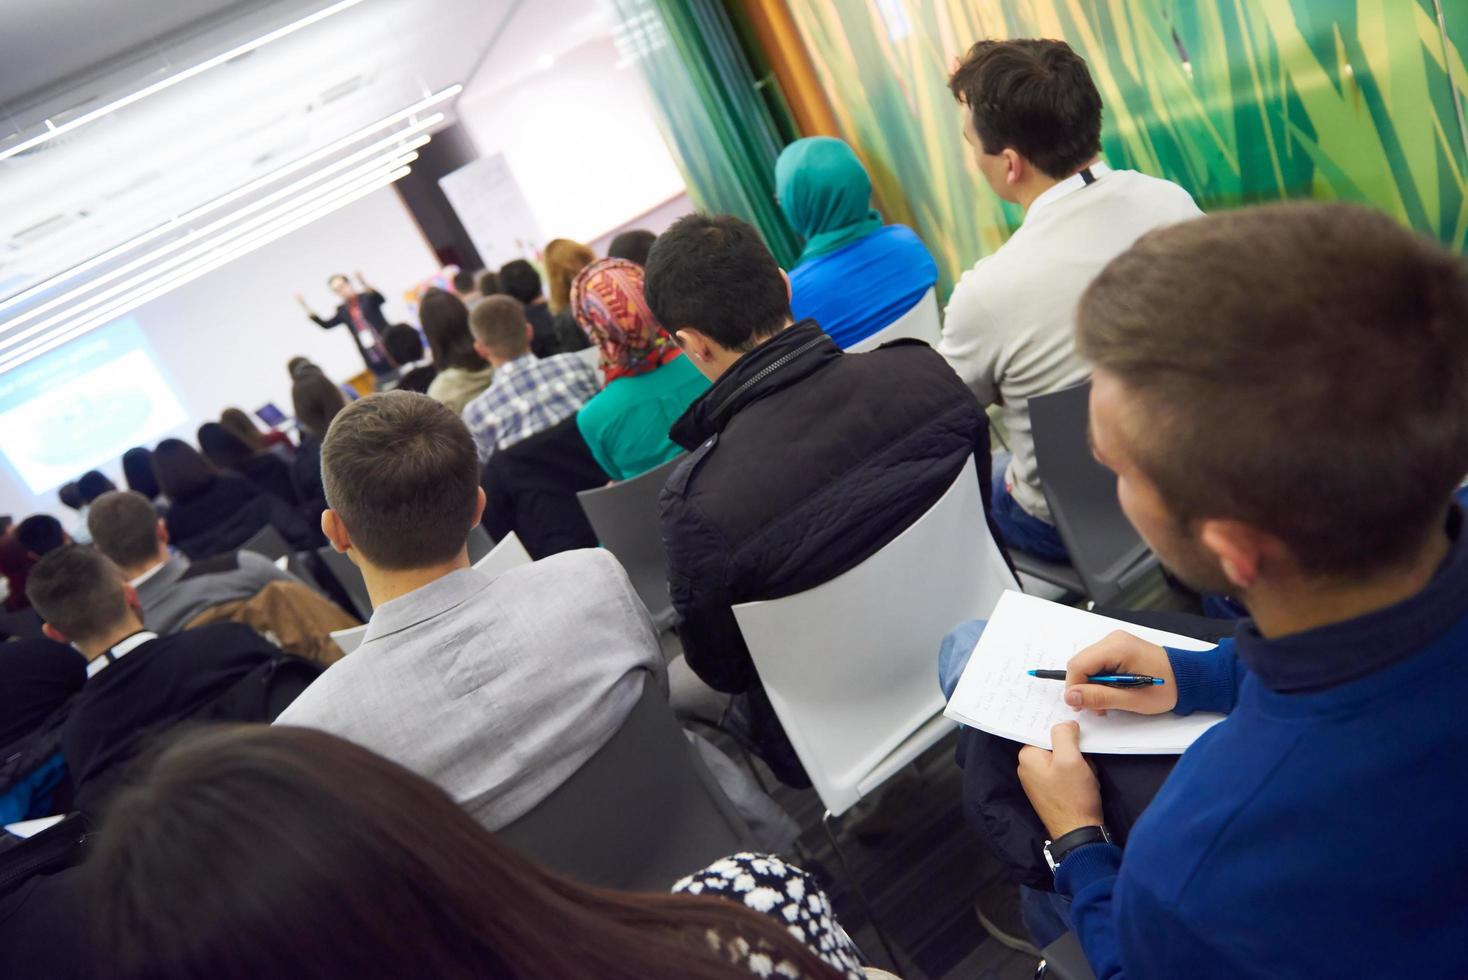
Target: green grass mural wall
<point>1240,101</point>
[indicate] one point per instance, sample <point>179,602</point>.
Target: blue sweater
<point>1318,830</point>
<point>857,290</point>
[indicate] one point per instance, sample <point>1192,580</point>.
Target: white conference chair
<point>922,322</point>
<point>349,639</point>
<point>851,666</point>
<point>508,554</point>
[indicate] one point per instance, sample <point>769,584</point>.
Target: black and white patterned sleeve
<point>786,894</point>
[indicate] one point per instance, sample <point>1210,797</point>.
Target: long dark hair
<point>316,399</point>
<point>251,851</point>
<point>137,470</point>
<point>445,321</point>
<point>180,470</point>
<point>222,447</point>
<point>237,422</point>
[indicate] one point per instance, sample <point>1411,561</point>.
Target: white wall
<point>581,140</point>
<point>225,338</point>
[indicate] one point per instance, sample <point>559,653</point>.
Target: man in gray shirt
<point>496,689</point>
<point>172,590</point>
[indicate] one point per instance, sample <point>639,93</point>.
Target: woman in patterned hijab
<point>607,300</point>
<point>649,383</point>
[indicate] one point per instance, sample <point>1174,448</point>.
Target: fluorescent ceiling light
<point>53,131</point>
<point>292,206</point>
<point>209,264</point>
<point>254,185</point>
<point>196,235</point>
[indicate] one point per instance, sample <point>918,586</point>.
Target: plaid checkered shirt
<point>528,395</point>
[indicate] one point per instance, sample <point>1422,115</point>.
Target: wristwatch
<point>1056,850</point>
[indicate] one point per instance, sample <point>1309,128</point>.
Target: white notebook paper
<point>996,695</point>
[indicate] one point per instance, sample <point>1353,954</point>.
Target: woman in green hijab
<point>855,275</point>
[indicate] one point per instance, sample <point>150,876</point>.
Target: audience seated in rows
<point>456,667</point>
<point>1248,393</point>
<point>89,487</point>
<point>855,274</point>
<point>488,283</point>
<point>326,860</point>
<point>16,562</point>
<point>137,682</point>
<point>171,589</point>
<point>564,260</point>
<point>804,460</point>
<point>262,468</point>
<point>648,381</point>
<point>529,393</point>
<point>42,534</point>
<point>1033,121</point>
<point>632,245</point>
<point>70,495</point>
<point>36,678</point>
<point>212,513</point>
<point>465,287</point>
<point>315,399</point>
<point>244,427</point>
<point>520,281</point>
<point>460,372</point>
<point>406,347</point>
<point>137,471</point>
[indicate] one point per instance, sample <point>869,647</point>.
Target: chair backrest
<point>508,554</point>
<point>349,577</point>
<point>625,519</point>
<point>268,542</point>
<point>641,813</point>
<point>349,639</point>
<point>850,666</point>
<point>922,322</point>
<point>1105,550</point>
<point>480,544</point>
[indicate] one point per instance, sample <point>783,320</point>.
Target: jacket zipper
<point>766,371</point>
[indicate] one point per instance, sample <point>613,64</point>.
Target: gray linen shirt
<point>495,689</point>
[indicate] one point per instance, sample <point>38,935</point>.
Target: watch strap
<point>1056,850</point>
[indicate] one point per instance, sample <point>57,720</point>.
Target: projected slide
<point>83,405</point>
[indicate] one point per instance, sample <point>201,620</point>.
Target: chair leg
<point>861,897</point>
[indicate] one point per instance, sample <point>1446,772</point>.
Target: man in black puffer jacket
<point>804,461</point>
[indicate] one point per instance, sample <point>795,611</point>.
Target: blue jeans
<point>954,651</point>
<point>1046,914</point>
<point>1018,527</point>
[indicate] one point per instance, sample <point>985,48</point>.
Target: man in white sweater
<point>1033,118</point>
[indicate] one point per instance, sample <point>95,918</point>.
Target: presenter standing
<point>361,312</point>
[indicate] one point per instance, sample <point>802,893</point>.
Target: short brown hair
<point>1034,96</point>
<point>78,591</point>
<point>499,324</point>
<point>124,527</point>
<point>401,472</point>
<point>1300,367</point>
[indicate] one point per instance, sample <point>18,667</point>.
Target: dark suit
<point>148,688</point>
<point>36,678</point>
<point>375,355</point>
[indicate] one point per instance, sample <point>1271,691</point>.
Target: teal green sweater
<point>626,424</point>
